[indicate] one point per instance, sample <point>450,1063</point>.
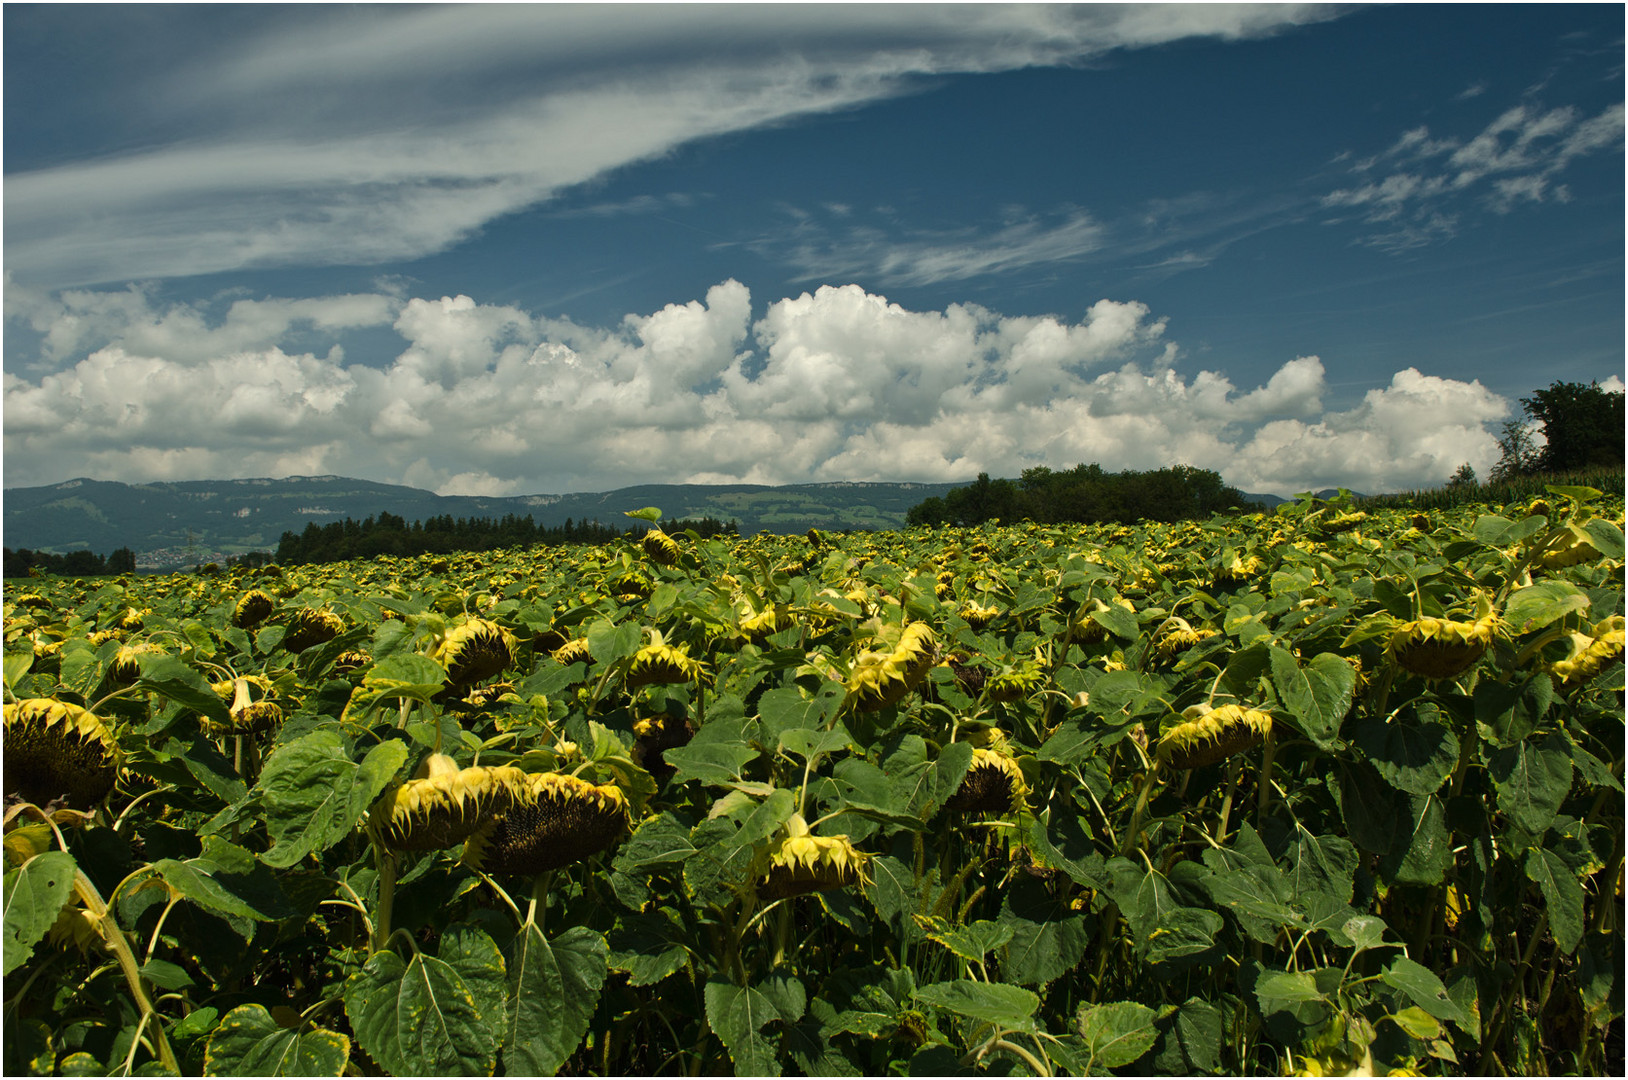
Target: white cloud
<point>837,384</point>
<point>359,136</point>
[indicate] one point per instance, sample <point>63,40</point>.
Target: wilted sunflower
<point>1442,648</point>
<point>1179,638</point>
<point>475,651</point>
<point>993,784</point>
<point>1576,547</point>
<point>1086,629</point>
<point>308,627</point>
<point>126,666</point>
<point>555,820</point>
<point>1590,653</point>
<point>1213,735</point>
<point>1339,523</point>
<point>1239,569</point>
<point>248,715</point>
<point>655,735</point>
<point>55,750</point>
<point>352,660</point>
<point>1016,681</point>
<point>771,620</point>
<point>883,677</point>
<point>574,652</point>
<point>662,549</point>
<point>978,616</point>
<point>659,662</point>
<point>254,608</point>
<point>443,804</point>
<point>802,863</point>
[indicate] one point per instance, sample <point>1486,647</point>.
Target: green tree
<point>1464,477</point>
<point>1582,425</point>
<point>1518,452</point>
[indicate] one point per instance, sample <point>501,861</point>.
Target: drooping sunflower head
<point>574,652</point>
<point>659,662</point>
<point>1573,548</point>
<point>1238,569</point>
<point>309,627</point>
<point>126,666</point>
<point>1339,522</point>
<point>771,620</point>
<point>654,736</point>
<point>662,549</point>
<point>1016,681</point>
<point>347,662</point>
<point>1589,653</point>
<point>1086,629</point>
<point>555,820</point>
<point>475,651</point>
<point>993,785</point>
<point>1443,648</point>
<point>802,863</point>
<point>1212,735</point>
<point>443,804</point>
<point>254,608</point>
<point>55,750</point>
<point>977,616</point>
<point>883,676</point>
<point>1178,637</point>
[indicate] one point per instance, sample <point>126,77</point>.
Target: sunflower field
<point>1319,792</point>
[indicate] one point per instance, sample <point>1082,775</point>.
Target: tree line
<point>389,534</point>
<point>69,564</point>
<point>1085,494</point>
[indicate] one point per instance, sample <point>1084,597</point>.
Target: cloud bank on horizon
<point>838,384</point>
<point>883,340</point>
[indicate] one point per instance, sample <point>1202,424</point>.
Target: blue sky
<point>518,249</point>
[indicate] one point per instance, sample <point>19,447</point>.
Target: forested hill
<point>173,524</point>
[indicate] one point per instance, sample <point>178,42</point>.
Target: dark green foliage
<point>1085,494</point>
<point>387,534</point>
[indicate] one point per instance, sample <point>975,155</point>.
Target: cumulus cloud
<point>1514,159</point>
<point>356,136</point>
<point>836,384</point>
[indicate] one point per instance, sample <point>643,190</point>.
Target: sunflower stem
<point>120,947</point>
<point>1264,796</point>
<point>387,898</point>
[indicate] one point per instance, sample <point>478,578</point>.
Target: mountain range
<point>187,522</point>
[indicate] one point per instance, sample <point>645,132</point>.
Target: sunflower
<point>554,820</point>
<point>254,608</point>
<point>654,736</point>
<point>1016,681</point>
<point>771,620</point>
<point>1591,652</point>
<point>443,804</point>
<point>1179,638</point>
<point>309,627</point>
<point>1086,629</point>
<point>1442,648</point>
<point>802,863</point>
<point>1212,735</point>
<point>978,616</point>
<point>1575,547</point>
<point>126,666</point>
<point>883,677</point>
<point>659,662</point>
<point>993,783</point>
<point>57,750</point>
<point>475,651</point>
<point>574,652</point>
<point>661,548</point>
